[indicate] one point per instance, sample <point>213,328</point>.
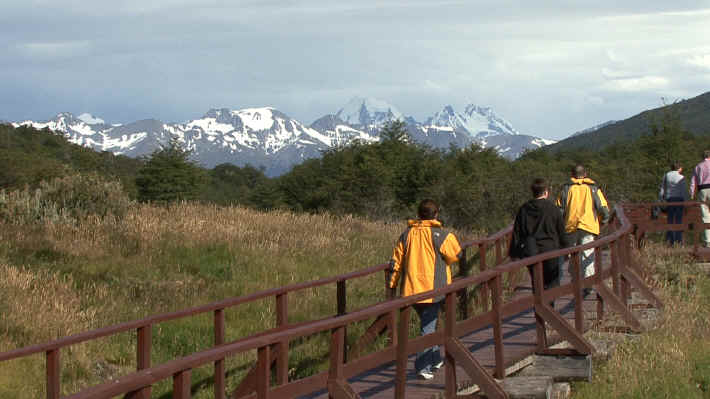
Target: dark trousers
<point>550,274</point>
<point>675,216</point>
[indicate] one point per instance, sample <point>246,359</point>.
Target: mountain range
<point>268,138</point>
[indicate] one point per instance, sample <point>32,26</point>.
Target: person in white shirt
<point>674,189</point>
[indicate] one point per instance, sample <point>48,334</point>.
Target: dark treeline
<point>477,189</point>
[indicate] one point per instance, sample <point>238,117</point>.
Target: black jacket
<point>549,236</point>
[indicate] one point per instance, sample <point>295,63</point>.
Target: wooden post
<point>499,252</point>
<point>342,309</point>
<point>539,321</point>
<point>337,353</point>
<point>484,288</point>
<point>577,284</point>
<point>181,384</point>
<point>219,371</point>
<point>598,269</point>
<point>615,273</point>
<point>450,362</point>
<point>143,357</point>
<point>402,340</point>
<point>464,271</point>
<point>497,289</point>
<point>53,374</point>
<point>263,373</point>
<point>282,359</point>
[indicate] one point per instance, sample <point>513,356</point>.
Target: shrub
<point>65,198</point>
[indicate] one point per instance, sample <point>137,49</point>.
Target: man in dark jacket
<point>539,224</point>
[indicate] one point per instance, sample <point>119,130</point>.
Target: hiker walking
<point>582,203</point>
<point>700,185</point>
<point>539,228</point>
<point>674,189</point>
<point>421,262</point>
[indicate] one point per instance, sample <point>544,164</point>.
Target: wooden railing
<point>144,331</point>
<point>623,272</point>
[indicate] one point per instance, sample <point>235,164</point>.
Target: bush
<point>65,198</point>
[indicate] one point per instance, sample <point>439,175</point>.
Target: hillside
<point>28,156</point>
<point>693,115</point>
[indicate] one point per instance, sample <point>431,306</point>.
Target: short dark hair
<point>578,171</point>
<point>428,209</point>
<point>538,187</point>
<point>706,154</point>
<point>675,165</point>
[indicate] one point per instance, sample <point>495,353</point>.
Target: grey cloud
<point>550,68</point>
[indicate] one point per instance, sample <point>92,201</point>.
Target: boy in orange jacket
<point>421,260</point>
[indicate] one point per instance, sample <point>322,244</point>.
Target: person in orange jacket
<point>584,207</point>
<point>421,262</point>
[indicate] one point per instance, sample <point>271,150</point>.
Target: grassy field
<point>62,277</point>
<point>672,360</point>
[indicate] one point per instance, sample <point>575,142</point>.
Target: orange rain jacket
<point>582,201</point>
<point>423,254</point>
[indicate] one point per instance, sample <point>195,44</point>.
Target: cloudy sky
<point>551,68</point>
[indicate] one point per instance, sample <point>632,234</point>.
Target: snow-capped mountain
<point>266,137</point>
<point>478,125</point>
<point>368,114</point>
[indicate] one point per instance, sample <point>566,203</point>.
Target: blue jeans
<point>428,314</point>
<point>675,216</point>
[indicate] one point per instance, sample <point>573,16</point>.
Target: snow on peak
<point>90,119</point>
<point>256,119</point>
<point>495,122</point>
<point>476,121</point>
<point>368,111</point>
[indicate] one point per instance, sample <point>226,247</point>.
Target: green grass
<point>60,278</point>
<point>673,360</point>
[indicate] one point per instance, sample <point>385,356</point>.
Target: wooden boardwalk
<point>519,338</point>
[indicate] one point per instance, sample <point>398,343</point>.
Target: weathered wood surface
<point>561,368</point>
<point>536,387</point>
<point>519,338</point>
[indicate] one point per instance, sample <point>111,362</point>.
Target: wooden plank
<point>537,387</point>
<point>463,356</point>
<point>615,304</point>
<point>564,329</point>
<point>375,330</point>
<point>638,283</point>
<point>181,385</point>
<point>561,368</point>
<point>340,389</point>
<point>402,338</point>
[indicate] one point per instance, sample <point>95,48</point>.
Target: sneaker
<point>425,375</point>
<point>438,365</point>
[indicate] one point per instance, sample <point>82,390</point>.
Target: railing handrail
<point>146,377</point>
<point>223,304</point>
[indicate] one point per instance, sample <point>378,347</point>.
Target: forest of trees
<point>477,188</point>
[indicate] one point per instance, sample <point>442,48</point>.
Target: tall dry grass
<point>60,276</point>
<point>673,360</point>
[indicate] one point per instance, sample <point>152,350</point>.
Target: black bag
<point>528,247</point>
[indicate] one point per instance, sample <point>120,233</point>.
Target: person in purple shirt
<point>700,185</point>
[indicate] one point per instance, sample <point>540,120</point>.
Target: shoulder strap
<point>665,187</point>
<point>438,236</point>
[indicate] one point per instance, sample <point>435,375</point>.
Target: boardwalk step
<point>561,390</point>
<point>537,387</point>
<point>560,368</point>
